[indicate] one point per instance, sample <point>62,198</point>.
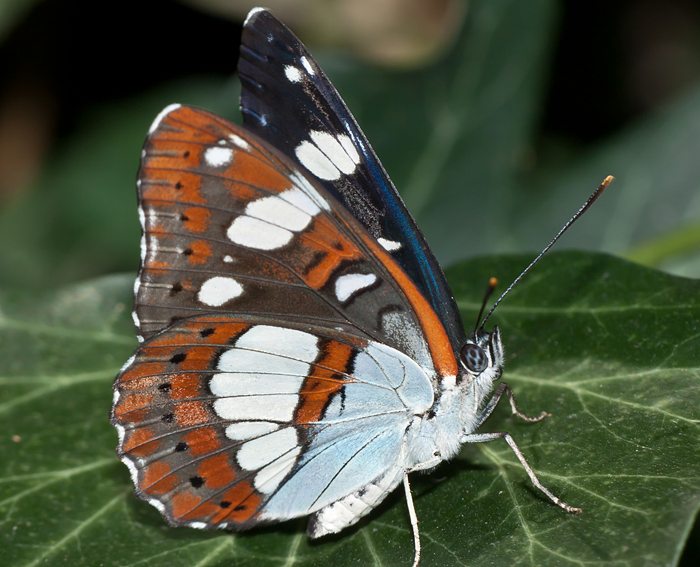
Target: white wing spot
<point>197,525</point>
<point>157,504</point>
<point>258,234</point>
<point>217,156</point>
<point>132,469</point>
<point>261,451</point>
<point>248,429</point>
<point>349,147</point>
<point>330,146</point>
<point>300,200</point>
<point>125,366</point>
<point>228,259</point>
<point>278,211</point>
<point>290,343</point>
<point>305,185</point>
<point>349,284</point>
<point>292,73</point>
<point>271,407</point>
<point>240,142</point>
<point>316,161</point>
<point>389,245</point>
<point>269,477</point>
<point>218,290</point>
<point>307,65</point>
<point>328,156</point>
<point>121,432</point>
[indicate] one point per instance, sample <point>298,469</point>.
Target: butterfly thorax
<point>437,434</point>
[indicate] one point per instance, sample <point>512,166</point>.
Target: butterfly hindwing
<point>231,421</point>
<point>287,100</point>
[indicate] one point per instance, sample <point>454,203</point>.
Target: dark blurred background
<point>495,119</point>
<point>545,101</point>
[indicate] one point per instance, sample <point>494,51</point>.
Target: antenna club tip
<point>493,281</point>
<point>607,181</point>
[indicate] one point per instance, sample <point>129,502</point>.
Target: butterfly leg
<point>414,520</point>
<point>485,437</point>
<point>504,388</point>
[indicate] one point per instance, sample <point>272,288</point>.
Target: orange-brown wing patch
<point>327,378</point>
<point>170,436</point>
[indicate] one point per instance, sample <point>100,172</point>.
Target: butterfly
<point>301,352</point>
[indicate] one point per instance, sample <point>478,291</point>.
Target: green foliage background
<point>611,349</point>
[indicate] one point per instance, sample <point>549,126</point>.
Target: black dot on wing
<point>178,358</point>
<point>186,154</point>
<point>206,332</point>
<point>196,481</point>
<point>224,504</point>
<point>240,507</point>
<point>184,217</point>
<point>164,387</point>
<point>181,446</point>
<point>168,417</point>
<point>176,288</point>
<point>187,251</point>
<point>178,185</point>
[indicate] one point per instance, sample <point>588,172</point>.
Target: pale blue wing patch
<point>361,435</point>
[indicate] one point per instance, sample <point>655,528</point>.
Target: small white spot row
<point>157,504</point>
<point>121,432</point>
<point>348,285</point>
<point>328,156</point>
<point>126,365</point>
<point>218,290</point>
<point>132,470</point>
<point>197,525</point>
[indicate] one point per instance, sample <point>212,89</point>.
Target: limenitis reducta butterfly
<point>301,351</point>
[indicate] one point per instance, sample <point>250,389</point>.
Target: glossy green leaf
<point>611,349</point>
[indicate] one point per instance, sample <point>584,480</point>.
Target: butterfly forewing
<point>228,422</point>
<point>231,226</point>
<point>287,100</point>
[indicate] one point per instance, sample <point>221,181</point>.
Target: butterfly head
<point>481,357</point>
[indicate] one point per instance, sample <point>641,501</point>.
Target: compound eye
<point>474,358</point>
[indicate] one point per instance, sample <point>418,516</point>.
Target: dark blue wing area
<point>288,101</point>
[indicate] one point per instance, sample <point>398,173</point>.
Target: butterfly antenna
<point>493,282</point>
<point>592,199</point>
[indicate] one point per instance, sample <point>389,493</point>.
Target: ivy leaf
<point>611,349</point>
